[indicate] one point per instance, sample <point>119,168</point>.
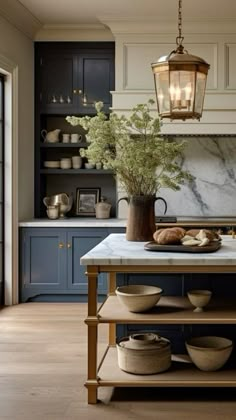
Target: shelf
<point>75,171</point>
<point>181,373</point>
<point>63,145</point>
<point>169,310</point>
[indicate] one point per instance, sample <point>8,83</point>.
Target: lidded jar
<point>103,209</point>
<point>144,354</point>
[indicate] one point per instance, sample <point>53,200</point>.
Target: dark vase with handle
<point>141,217</point>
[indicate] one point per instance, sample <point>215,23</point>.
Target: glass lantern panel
<point>182,90</point>
<point>162,91</point>
<point>200,92</point>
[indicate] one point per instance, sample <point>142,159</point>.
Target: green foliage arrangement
<point>133,149</point>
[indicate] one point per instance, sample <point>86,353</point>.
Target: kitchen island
<point>116,255</point>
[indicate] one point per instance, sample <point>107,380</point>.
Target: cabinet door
<point>80,241</point>
<point>96,80</point>
<point>58,75</point>
<point>43,260</point>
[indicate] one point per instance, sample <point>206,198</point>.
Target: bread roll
<point>169,236</point>
<point>180,230</point>
<point>210,234</point>
<point>157,233</point>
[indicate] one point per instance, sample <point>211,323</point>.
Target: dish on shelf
<point>51,164</point>
<point>211,247</point>
<point>89,165</point>
<point>209,353</point>
<point>144,354</point>
<point>199,299</point>
<point>138,298</point>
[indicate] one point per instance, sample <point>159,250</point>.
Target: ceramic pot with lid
<point>144,354</point>
<point>103,209</point>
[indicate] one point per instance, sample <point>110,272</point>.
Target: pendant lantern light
<point>180,81</point>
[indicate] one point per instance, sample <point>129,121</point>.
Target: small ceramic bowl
<point>89,165</point>
<point>209,353</point>
<point>138,298</point>
<point>199,298</point>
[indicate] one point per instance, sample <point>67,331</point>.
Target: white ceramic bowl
<point>209,353</point>
<point>89,165</point>
<point>51,164</point>
<point>138,298</point>
<point>199,298</point>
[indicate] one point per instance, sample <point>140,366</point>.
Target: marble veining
<point>212,161</point>
<point>116,250</point>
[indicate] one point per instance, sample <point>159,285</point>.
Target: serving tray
<point>211,247</point>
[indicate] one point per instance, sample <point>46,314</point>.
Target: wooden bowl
<point>199,298</point>
<point>209,353</point>
<point>138,298</point>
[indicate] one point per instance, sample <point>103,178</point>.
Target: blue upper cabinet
<point>71,76</point>
<point>80,241</point>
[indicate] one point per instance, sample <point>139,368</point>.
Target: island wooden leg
<point>92,382</point>
<point>112,327</point>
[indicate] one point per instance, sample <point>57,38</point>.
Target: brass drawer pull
<point>69,246</point>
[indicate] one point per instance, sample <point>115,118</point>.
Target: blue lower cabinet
<point>43,261</point>
<point>50,267</point>
<point>79,243</point>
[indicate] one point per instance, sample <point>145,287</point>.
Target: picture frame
<point>86,199</point>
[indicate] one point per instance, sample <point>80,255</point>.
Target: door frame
<point>11,260</point>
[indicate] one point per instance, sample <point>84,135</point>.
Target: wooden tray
<point>211,247</point>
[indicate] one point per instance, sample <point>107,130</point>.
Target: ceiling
<point>89,11</point>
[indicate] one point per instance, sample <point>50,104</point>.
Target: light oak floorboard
<point>43,367</point>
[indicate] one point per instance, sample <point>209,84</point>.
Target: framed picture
<point>86,198</point>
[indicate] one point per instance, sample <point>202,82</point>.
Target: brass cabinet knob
<point>68,245</point>
<point>80,91</point>
<point>61,245</point>
<point>75,91</point>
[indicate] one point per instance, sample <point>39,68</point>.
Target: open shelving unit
<point>169,310</point>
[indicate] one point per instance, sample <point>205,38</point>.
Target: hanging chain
<point>180,19</point>
<point>180,38</point>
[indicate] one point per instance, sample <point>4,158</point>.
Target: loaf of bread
<point>169,236</point>
<point>210,234</point>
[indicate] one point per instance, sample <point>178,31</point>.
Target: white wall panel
<point>230,66</point>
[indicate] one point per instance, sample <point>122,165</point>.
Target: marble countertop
<point>74,222</point>
<point>115,222</point>
<point>116,250</point>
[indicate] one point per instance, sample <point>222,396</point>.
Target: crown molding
<point>20,17</point>
<point>164,25</point>
<point>74,26</point>
<point>74,32</point>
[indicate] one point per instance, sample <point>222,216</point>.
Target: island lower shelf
<point>181,373</point>
<point>169,310</point>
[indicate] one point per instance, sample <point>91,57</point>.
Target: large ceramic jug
<point>141,217</point>
<point>51,136</point>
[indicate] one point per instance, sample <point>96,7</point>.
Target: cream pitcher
<point>103,209</point>
<point>51,136</point>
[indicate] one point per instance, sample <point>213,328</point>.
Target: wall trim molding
<point>20,17</point>
<point>10,69</point>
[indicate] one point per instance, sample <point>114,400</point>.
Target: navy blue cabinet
<point>50,263</point>
<point>80,241</point>
<point>72,76</point>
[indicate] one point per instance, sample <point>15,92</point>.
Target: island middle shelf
<point>169,310</point>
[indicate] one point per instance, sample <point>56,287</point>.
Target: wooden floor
<point>43,368</point>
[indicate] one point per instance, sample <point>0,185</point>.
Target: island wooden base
<point>182,373</point>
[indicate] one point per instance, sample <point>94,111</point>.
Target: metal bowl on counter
<point>63,200</point>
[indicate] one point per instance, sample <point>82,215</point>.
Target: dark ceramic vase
<point>141,217</point>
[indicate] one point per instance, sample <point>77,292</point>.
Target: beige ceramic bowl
<point>199,298</point>
<point>209,353</point>
<point>138,298</point>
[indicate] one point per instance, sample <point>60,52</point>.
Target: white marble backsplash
<point>212,161</point>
